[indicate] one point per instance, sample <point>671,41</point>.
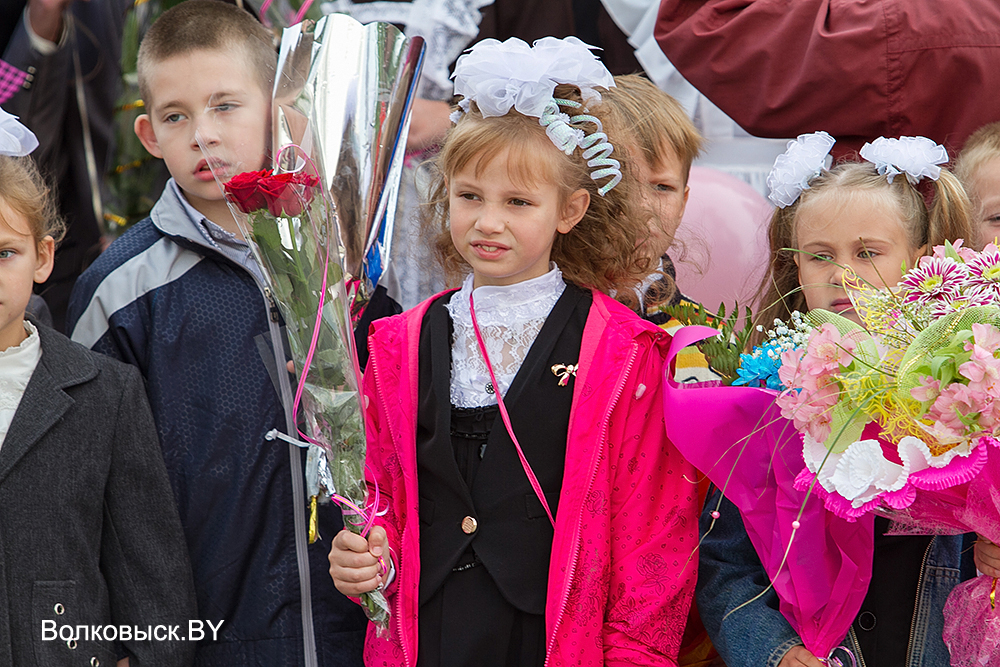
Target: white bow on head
<point>917,157</point>
<point>501,75</point>
<point>15,139</point>
<point>801,162</point>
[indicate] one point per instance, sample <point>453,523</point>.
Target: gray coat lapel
<point>62,365</point>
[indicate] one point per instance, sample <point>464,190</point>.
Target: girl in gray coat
<point>93,565</point>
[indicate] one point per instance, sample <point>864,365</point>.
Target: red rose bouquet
<point>315,221</point>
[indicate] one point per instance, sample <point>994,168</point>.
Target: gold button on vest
<point>469,525</point>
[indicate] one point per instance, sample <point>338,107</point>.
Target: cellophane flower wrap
<point>819,563</point>
<point>902,416</point>
<point>291,224</point>
<point>316,219</point>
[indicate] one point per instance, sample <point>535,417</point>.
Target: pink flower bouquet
<point>902,416</point>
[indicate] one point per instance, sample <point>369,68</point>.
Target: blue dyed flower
<point>760,368</point>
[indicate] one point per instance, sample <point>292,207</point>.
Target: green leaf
<point>949,252</point>
<point>846,425</point>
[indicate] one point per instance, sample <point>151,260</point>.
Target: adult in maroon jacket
<point>855,69</point>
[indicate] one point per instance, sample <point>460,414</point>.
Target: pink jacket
<point>622,571</point>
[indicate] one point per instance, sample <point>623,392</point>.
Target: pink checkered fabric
<point>11,80</point>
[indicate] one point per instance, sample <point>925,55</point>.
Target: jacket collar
<point>63,364</point>
<point>175,217</point>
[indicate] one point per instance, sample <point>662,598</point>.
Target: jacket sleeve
<point>144,555</point>
<point>861,69</point>
<point>382,470</point>
<point>730,575</point>
<point>653,529</point>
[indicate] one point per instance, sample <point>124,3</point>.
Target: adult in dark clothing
<point>44,40</point>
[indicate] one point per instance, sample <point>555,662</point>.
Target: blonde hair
<point>948,218</point>
<point>601,250</point>
<point>652,121</point>
<point>654,124</point>
<point>206,25</point>
<point>980,148</point>
<point>25,192</point>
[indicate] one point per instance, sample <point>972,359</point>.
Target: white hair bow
<point>15,139</point>
<point>501,75</point>
<point>801,162</point>
<point>917,157</point>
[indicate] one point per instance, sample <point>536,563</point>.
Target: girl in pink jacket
<point>535,511</point>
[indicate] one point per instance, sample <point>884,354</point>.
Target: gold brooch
<point>564,372</point>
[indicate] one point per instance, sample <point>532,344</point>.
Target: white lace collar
<point>509,318</point>
<point>17,364</point>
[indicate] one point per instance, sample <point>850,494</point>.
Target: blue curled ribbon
<point>596,147</point>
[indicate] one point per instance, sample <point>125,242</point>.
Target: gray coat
<point>89,534</point>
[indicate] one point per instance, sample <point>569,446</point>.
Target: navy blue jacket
<point>199,328</point>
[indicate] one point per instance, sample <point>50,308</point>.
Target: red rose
<point>244,192</point>
<point>288,193</point>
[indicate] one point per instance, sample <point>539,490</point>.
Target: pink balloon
<point>724,253</point>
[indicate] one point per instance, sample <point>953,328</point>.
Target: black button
<point>866,621</point>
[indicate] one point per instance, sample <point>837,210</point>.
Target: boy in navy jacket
<point>181,297</point>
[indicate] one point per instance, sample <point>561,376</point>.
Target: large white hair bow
<point>502,75</point>
<point>15,139</point>
<point>801,162</point>
<point>917,157</point>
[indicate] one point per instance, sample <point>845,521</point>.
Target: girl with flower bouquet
<point>867,217</point>
<point>534,509</point>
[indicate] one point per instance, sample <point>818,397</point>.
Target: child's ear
<point>144,130</point>
<point>46,252</point>
<point>573,211</point>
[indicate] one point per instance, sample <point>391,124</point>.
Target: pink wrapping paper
<point>737,437</point>
<point>972,624</point>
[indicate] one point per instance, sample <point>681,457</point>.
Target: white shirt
<point>17,364</point>
<point>509,317</point>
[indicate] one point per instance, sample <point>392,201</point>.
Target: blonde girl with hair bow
<point>870,216</point>
<point>535,511</point>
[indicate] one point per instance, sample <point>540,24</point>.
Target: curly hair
<point>949,217</point>
<point>25,192</point>
<point>601,251</point>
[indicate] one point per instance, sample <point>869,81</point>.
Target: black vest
<point>513,538</point>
